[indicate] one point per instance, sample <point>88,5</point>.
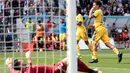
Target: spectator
<point>1,6</point>
<point>88,7</point>
<point>52,41</point>
<point>125,33</point>
<point>124,2</point>
<point>49,24</point>
<point>126,8</point>
<point>62,13</point>
<point>56,3</point>
<point>83,3</point>
<point>15,4</point>
<point>31,10</point>
<point>6,11</point>
<point>120,10</point>
<point>22,7</point>
<point>127,13</point>
<point>9,37</point>
<point>114,9</point>
<point>113,30</point>
<point>107,8</point>
<point>30,26</point>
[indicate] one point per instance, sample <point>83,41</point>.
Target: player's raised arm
<point>28,56</point>
<point>91,12</point>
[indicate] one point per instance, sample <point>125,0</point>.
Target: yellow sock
<point>90,47</point>
<point>116,51</point>
<point>78,49</point>
<point>63,43</point>
<point>94,55</point>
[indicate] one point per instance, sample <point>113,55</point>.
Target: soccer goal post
<point>71,35</point>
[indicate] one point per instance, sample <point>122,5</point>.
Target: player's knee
<point>108,44</point>
<point>93,43</point>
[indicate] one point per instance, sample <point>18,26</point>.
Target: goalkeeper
<point>18,66</point>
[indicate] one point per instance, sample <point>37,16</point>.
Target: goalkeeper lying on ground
<point>18,66</point>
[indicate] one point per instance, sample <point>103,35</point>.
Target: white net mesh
<point>20,31</point>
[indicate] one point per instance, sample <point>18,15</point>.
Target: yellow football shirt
<point>98,18</point>
<point>79,18</point>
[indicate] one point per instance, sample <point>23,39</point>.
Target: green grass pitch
<point>108,61</point>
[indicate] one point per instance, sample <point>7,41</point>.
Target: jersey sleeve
<point>96,13</point>
<point>11,69</point>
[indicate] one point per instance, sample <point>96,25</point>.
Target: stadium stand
<point>12,10</point>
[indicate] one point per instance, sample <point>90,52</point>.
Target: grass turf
<point>108,61</point>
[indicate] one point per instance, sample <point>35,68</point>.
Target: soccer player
<point>100,32</point>
<point>81,31</point>
<point>62,32</point>
<point>18,66</point>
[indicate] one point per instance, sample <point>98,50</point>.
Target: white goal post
<point>71,36</point>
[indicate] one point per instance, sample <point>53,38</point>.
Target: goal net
<point>35,25</point>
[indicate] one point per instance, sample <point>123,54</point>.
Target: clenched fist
<point>8,61</point>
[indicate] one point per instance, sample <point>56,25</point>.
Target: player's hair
<point>39,21</point>
<point>79,9</point>
<point>98,3</point>
<point>29,18</point>
<point>16,65</point>
<point>62,19</point>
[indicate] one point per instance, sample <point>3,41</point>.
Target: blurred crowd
<point>109,7</point>
<point>10,10</point>
<point>120,36</point>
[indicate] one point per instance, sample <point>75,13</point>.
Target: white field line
<point>109,68</point>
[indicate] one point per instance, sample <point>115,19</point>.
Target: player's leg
<point>40,43</point>
<point>62,39</point>
<point>106,40</point>
<point>78,49</point>
<point>85,38</point>
<point>78,37</point>
<point>96,37</point>
<point>82,67</point>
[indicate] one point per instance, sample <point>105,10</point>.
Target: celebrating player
<point>81,31</point>
<point>100,32</point>
<point>18,66</point>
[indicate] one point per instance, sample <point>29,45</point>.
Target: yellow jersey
<point>79,18</point>
<point>29,25</point>
<point>98,18</point>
